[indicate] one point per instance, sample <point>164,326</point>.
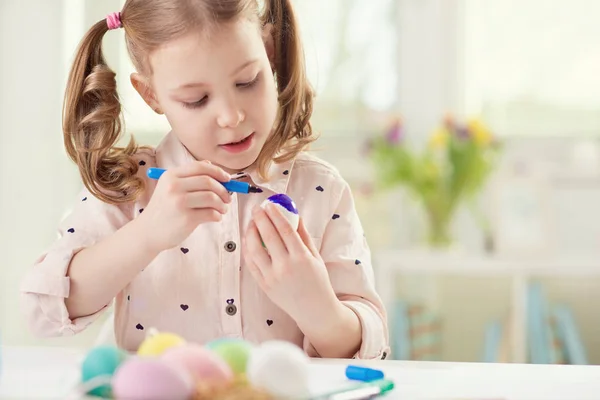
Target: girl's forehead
<point>224,48</point>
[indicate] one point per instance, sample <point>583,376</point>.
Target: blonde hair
<point>92,123</point>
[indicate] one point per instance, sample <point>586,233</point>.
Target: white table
<point>48,373</point>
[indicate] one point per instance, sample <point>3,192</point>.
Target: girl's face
<point>217,92</point>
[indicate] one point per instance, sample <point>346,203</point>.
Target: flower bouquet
<point>451,169</point>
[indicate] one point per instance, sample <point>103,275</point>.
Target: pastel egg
<point>156,344</point>
<point>217,342</point>
<point>151,379</point>
<point>101,361</point>
<point>286,205</point>
<point>235,352</point>
<point>280,368</point>
<point>201,363</point>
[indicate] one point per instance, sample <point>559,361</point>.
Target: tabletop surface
<point>49,373</point>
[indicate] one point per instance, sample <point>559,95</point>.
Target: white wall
<point>36,179</point>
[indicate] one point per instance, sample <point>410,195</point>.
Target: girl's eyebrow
<point>200,84</point>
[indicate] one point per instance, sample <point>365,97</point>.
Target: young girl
<point>181,254</point>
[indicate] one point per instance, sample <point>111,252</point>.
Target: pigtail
<point>292,131</point>
<point>92,125</point>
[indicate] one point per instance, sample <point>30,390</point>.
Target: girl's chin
<point>234,166</point>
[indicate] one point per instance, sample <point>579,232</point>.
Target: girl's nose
<point>230,116</point>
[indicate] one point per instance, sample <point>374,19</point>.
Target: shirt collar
<point>172,153</point>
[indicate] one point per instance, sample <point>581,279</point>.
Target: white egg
<point>287,206</point>
<point>280,368</point>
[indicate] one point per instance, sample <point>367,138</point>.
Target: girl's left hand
<point>291,272</point>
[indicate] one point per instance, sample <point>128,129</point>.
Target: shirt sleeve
<point>346,254</point>
<point>46,285</point>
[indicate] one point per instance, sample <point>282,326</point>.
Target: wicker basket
<point>239,389</point>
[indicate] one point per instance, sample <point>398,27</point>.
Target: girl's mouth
<point>240,146</point>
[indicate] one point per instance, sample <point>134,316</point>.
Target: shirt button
<point>231,309</point>
<point>230,246</point>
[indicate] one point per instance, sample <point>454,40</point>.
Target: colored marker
<point>232,186</point>
<point>360,391</point>
<point>363,374</point>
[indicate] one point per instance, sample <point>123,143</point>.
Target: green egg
<point>102,360</point>
<point>235,352</point>
<point>217,342</point>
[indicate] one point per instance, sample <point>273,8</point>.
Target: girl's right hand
<point>184,198</point>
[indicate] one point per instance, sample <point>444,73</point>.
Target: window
<point>533,67</point>
<point>530,68</point>
<point>351,51</point>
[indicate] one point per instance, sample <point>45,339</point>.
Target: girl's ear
<point>267,36</point>
<point>143,87</point>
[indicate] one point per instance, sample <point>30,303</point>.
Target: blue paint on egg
<point>285,201</point>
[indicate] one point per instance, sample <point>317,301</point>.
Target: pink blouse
<point>201,289</point>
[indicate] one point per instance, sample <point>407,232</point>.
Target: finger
<point>256,273</point>
<point>206,215</point>
<point>307,239</point>
<point>255,251</point>
<point>269,234</point>
<point>248,254</point>
<point>202,168</point>
<point>204,182</point>
<point>206,199</point>
<point>286,231</point>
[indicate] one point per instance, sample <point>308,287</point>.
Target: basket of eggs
<point>167,367</point>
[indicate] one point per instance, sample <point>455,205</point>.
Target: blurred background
<point>468,130</point>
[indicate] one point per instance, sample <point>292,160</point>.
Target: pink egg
<point>200,362</point>
<point>151,379</point>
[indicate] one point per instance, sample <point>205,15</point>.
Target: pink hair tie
<point>113,20</point>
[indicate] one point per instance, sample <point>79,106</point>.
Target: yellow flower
<point>439,139</point>
<point>480,132</point>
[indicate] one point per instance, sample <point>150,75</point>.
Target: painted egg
<point>286,205</point>
<point>217,342</point>
<point>151,379</point>
<point>156,344</point>
<point>281,369</point>
<point>100,362</point>
<point>235,352</point>
<point>200,362</point>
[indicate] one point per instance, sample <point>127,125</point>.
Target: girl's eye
<point>196,104</point>
<point>249,84</point>
<point>202,101</point>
